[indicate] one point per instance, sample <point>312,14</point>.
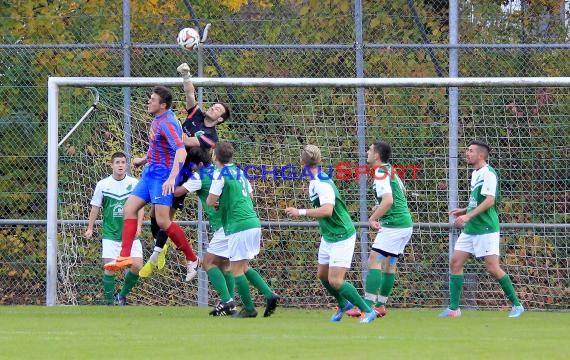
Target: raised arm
<point>184,71</point>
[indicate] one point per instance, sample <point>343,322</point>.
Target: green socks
<point>243,290</point>
<point>348,291</point>
<point>373,282</point>
<point>109,288</point>
<point>257,281</point>
<point>455,288</point>
<point>230,283</point>
<point>341,301</point>
<point>386,287</point>
<point>218,281</point>
<point>507,286</point>
<point>130,282</point>
<point>242,284</point>
<point>457,284</point>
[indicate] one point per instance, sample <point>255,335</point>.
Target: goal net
<point>526,127</point>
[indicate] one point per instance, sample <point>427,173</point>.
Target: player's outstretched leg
<point>509,290</point>
<point>271,299</point>
<point>348,291</point>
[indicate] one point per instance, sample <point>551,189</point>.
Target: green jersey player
<point>215,261</point>
<point>110,196</point>
<point>394,231</point>
<point>480,235</point>
<point>230,193</point>
<point>338,237</point>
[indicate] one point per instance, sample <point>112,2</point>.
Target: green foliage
<point>22,260</point>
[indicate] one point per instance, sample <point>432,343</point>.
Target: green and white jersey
<point>385,182</point>
<point>235,205</point>
<point>111,195</point>
<point>202,188</point>
<point>339,226</point>
<point>484,182</point>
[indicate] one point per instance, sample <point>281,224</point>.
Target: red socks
<point>129,232</point>
<point>176,234</point>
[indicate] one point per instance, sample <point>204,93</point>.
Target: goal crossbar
<point>314,82</point>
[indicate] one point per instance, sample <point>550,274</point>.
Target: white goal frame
<point>54,83</point>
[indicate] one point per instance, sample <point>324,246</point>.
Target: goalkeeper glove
<point>184,70</point>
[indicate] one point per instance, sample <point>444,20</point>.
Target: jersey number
<point>243,182</point>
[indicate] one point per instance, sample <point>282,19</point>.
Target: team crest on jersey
<point>130,187</point>
<point>118,210</point>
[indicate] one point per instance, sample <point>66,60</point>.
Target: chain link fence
<point>528,128</point>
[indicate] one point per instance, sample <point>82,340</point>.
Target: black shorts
<point>385,253</point>
<point>178,202</point>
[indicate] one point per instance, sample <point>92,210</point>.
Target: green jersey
<point>111,195</point>
<point>202,188</point>
<point>339,226</point>
<point>235,205</point>
<point>484,182</point>
<point>385,182</point>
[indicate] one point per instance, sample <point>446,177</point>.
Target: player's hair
<point>384,150</point>
<point>227,111</point>
<point>311,155</point>
<point>482,146</point>
<point>197,155</point>
<point>165,95</point>
<point>118,154</point>
<point>224,152</point>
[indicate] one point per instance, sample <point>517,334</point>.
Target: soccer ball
<point>188,38</point>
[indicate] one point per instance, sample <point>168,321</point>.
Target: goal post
<point>324,105</point>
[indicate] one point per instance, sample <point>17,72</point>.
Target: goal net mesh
<point>527,129</point>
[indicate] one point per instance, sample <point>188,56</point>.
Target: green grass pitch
<point>140,332</point>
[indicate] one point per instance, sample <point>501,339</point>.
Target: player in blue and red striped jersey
<point>165,158</point>
<point>199,130</point>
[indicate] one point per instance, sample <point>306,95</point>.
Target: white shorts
<point>112,249</point>
<point>337,254</point>
<point>244,245</point>
<point>479,245</point>
<point>392,240</point>
<point>219,244</point>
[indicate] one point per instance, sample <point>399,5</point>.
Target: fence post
<point>126,49</point>
<point>361,134</point>
<point>202,234</point>
<point>453,117</point>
